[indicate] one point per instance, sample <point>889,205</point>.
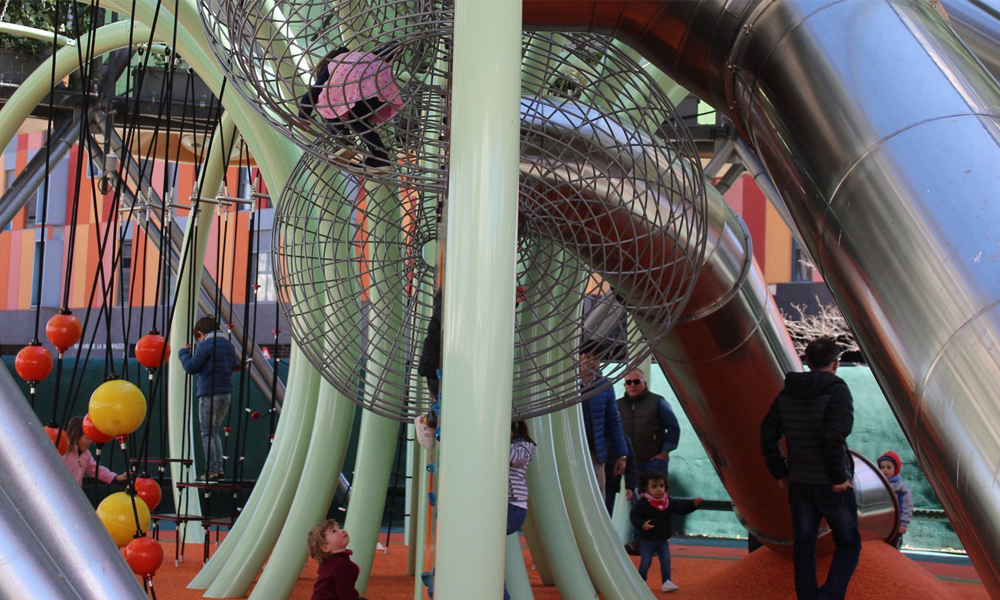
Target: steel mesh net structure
<point>611,210</point>
<point>276,50</point>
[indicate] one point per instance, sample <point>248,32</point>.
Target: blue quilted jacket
<point>214,361</point>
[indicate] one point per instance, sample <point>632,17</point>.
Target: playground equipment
<point>886,191</point>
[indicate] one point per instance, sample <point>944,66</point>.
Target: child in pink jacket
<point>79,459</point>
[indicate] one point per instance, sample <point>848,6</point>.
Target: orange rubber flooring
<point>703,572</point>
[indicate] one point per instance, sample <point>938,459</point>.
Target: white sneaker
<point>425,435</point>
<point>670,586</point>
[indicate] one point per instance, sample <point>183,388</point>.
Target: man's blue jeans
<point>212,410</point>
<point>810,503</point>
<point>647,548</point>
<point>515,520</point>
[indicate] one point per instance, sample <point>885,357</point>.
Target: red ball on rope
<point>93,433</point>
<point>33,363</point>
<point>64,331</point>
<point>152,350</point>
<point>144,556</point>
<point>150,492</point>
<point>54,432</point>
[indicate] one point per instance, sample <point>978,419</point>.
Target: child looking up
<point>890,465</point>
<point>79,459</point>
<point>337,572</point>
<point>651,516</point>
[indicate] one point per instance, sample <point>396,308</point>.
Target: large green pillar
<point>478,320</point>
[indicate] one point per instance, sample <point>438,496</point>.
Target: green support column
<point>376,446</point>
<point>37,85</point>
<point>548,508</point>
<point>254,546</point>
<point>377,439</point>
<point>515,572</point>
<point>478,320</point>
<point>324,463</point>
<point>533,538</point>
<point>422,488</point>
<point>610,568</point>
<point>181,426</point>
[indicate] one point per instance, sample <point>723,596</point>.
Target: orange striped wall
<point>771,239</point>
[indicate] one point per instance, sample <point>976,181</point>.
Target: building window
<point>802,268</point>
<point>265,279</point>
<point>125,285</point>
<point>36,273</point>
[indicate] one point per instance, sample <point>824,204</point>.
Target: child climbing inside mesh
<point>79,459</point>
<point>353,91</point>
<point>337,574</point>
<point>652,517</point>
<point>890,465</point>
<point>430,365</point>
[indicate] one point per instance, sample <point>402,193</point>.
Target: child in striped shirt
<point>522,449</point>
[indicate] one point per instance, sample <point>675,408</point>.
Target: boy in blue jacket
<point>213,361</point>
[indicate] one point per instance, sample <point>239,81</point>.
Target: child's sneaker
<point>669,586</point>
<point>425,433</point>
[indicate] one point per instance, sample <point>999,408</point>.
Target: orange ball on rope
<point>64,331</point>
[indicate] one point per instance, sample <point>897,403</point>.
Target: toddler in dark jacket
<point>651,516</point>
<point>337,572</point>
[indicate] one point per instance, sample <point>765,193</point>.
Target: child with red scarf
<point>337,572</point>
<point>651,516</point>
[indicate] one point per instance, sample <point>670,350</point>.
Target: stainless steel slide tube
<point>26,569</point>
<point>884,144</point>
<point>47,497</point>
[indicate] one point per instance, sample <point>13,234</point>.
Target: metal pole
<point>478,320</point>
<point>25,186</point>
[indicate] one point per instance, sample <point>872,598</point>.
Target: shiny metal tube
<point>45,495</point>
<point>28,181</point>
<point>977,22</point>
<point>26,569</point>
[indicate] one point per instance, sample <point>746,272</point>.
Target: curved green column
<point>533,538</point>
<point>515,572</point>
<point>246,522</point>
<point>610,568</point>
<point>378,435</point>
<point>253,548</point>
<point>320,474</point>
<point>37,85</point>
<point>548,509</point>
<point>181,437</point>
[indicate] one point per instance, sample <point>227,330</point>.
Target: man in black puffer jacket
<point>815,414</point>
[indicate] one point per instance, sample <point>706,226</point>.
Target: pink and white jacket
<point>81,463</point>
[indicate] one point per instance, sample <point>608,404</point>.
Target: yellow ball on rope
<point>117,407</point>
<point>116,513</point>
